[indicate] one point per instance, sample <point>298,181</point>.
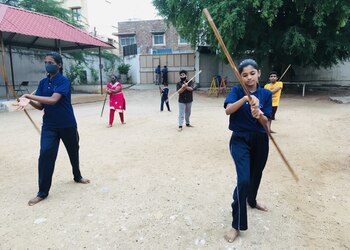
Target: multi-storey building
<point>86,13</point>
<point>152,37</point>
<point>153,43</point>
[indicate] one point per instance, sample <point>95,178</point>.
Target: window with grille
<point>127,40</point>
<point>76,13</point>
<point>182,41</point>
<point>159,39</point>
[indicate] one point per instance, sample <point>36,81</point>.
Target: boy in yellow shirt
<point>276,88</point>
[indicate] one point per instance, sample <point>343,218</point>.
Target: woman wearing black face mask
<point>54,97</point>
<point>185,90</point>
<point>116,100</point>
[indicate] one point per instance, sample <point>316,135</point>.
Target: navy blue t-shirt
<point>61,114</point>
<point>242,120</point>
<point>165,93</point>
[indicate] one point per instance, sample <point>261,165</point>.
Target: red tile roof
<point>28,23</point>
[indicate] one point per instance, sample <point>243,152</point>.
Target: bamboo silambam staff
<point>228,56</point>
<point>177,92</point>
<point>233,66</point>
<point>249,107</point>
<point>104,103</point>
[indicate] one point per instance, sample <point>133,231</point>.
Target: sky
<point>118,11</point>
<point>135,9</point>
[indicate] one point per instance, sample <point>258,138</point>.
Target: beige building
<point>152,37</point>
<point>149,43</point>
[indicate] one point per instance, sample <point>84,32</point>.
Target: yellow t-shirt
<point>276,96</point>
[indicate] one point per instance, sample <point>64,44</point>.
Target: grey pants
<point>157,78</point>
<point>184,113</point>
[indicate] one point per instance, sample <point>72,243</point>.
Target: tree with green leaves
<point>75,71</point>
<point>111,61</point>
<point>300,32</point>
<point>124,68</point>
<point>11,2</point>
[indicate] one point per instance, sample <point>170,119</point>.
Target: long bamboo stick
<point>228,56</point>
<point>186,82</point>
<point>279,79</point>
<point>9,84</point>
<point>104,103</point>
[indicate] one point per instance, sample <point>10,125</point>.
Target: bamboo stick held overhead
<point>228,56</point>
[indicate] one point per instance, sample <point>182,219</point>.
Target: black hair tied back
<point>246,63</point>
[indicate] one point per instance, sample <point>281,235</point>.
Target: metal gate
<point>174,63</point>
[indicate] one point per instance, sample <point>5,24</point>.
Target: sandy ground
<point>153,187</point>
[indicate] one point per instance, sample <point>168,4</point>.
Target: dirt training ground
<point>153,187</point>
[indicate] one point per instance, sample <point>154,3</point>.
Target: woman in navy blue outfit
<point>249,144</point>
<point>54,97</point>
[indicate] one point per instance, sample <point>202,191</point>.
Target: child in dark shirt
<point>164,97</point>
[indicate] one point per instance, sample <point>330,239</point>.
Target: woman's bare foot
<point>231,235</point>
<point>83,181</point>
<point>35,200</point>
<point>261,207</point>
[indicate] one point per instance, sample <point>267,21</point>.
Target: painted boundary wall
<point>29,66</point>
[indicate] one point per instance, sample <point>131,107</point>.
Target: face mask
<point>51,68</point>
<point>183,78</point>
<point>113,80</point>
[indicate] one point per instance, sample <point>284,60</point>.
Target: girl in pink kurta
<point>116,100</point>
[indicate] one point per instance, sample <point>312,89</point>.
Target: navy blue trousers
<point>166,100</point>
<point>49,144</point>
<point>249,151</point>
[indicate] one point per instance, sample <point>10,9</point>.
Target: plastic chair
<point>23,87</point>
